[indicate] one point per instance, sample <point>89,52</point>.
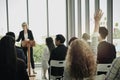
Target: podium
<point>28,44</point>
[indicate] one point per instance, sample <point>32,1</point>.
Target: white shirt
<point>26,36</point>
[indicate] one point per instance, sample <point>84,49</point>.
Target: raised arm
<point>94,38</point>
<point>97,18</point>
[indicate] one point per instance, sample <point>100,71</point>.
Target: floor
<point>38,76</point>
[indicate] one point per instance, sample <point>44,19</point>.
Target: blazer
<point>106,52</point>
<point>59,53</point>
<point>20,53</point>
<point>21,35</point>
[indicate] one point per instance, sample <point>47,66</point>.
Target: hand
<point>98,15</point>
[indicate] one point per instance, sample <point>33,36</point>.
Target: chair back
<point>56,64</point>
<point>103,67</point>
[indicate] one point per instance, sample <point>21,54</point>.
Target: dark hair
<point>60,37</point>
<point>8,58</point>
<point>72,39</point>
<point>50,44</point>
<point>12,34</point>
<point>103,32</point>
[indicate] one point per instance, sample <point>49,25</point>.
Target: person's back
<point>20,53</point>
<point>21,70</point>
<point>18,64</point>
<point>46,55</point>
<point>8,62</point>
<point>106,52</point>
<point>114,72</point>
<point>80,62</point>
<point>59,53</point>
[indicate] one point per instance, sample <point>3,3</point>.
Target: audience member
<point>46,55</point>
<point>86,37</point>
<point>114,72</point>
<point>20,53</point>
<point>12,68</point>
<point>80,62</point>
<point>106,51</point>
<point>59,53</point>
<point>81,57</point>
<point>72,39</point>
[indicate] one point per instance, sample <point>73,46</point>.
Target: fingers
<point>98,15</point>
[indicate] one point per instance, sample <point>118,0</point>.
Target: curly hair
<point>80,61</point>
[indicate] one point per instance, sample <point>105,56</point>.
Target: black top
<point>21,70</point>
<point>59,53</point>
<point>21,35</point>
<point>20,73</point>
<point>106,52</point>
<point>20,53</point>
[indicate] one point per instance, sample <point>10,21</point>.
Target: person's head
<point>80,60</point>
<point>103,32</point>
<point>60,39</point>
<point>12,34</point>
<point>24,26</point>
<point>86,36</point>
<point>50,43</point>
<point>7,52</point>
<point>72,39</point>
<point>49,40</point>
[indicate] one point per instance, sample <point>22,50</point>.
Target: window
<point>38,20</point>
<point>83,15</point>
<point>103,7</point>
<point>17,15</point>
<point>3,18</point>
<point>57,17</point>
<point>116,26</point>
<point>38,25</point>
<point>92,11</point>
<point>76,17</point>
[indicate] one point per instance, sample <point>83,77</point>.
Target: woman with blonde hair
<point>27,35</point>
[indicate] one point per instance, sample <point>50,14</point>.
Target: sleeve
<point>94,42</point>
<point>23,55</point>
<point>19,37</point>
<point>111,75</point>
<point>114,51</point>
<point>31,35</point>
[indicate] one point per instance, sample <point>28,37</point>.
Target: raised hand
<point>98,15</point>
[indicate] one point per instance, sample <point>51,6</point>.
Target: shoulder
<point>29,30</point>
<point>19,49</point>
<point>21,31</point>
<point>20,62</point>
<point>117,60</point>
<point>46,48</point>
